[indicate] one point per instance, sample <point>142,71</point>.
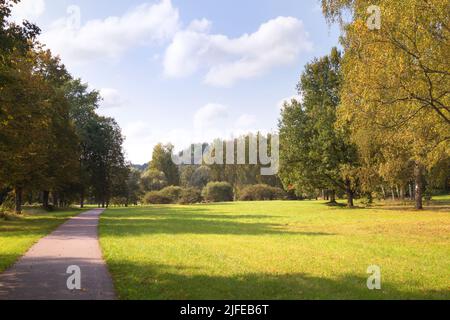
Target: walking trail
<point>42,273</point>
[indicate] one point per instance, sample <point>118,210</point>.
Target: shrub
<point>261,192</point>
<point>190,196</point>
<point>172,192</point>
<point>9,203</point>
<point>155,197</point>
<point>153,180</point>
<point>218,192</point>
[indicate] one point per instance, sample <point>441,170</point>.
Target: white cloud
<point>210,116</point>
<point>213,121</point>
<point>111,98</point>
<point>141,137</point>
<point>203,25</point>
<point>113,36</point>
<point>27,10</point>
<point>282,102</point>
<point>226,60</point>
<point>245,121</point>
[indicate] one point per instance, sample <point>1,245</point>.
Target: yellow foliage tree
<point>396,80</point>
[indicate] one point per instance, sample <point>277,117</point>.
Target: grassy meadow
<point>277,250</point>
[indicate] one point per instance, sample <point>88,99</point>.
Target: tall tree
<point>106,158</point>
<point>62,147</point>
<point>396,81</point>
<point>315,153</point>
<point>83,104</point>
<point>24,109</point>
<point>162,162</point>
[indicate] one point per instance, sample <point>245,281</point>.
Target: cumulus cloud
<point>113,36</point>
<point>212,121</point>
<point>227,60</point>
<point>209,116</point>
<point>111,98</point>
<point>27,10</point>
<point>245,121</point>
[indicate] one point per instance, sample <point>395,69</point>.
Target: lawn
<point>18,234</point>
<point>277,250</point>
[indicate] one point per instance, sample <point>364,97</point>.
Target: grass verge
<point>19,233</point>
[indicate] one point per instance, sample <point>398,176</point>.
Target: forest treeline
<point>374,118</point>
<point>54,148</point>
<point>373,121</point>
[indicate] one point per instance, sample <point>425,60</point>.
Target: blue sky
<point>185,71</point>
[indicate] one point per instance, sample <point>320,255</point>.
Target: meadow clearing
<point>277,250</point>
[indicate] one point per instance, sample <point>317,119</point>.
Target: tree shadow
<point>150,282</point>
<point>45,278</point>
<point>172,220</point>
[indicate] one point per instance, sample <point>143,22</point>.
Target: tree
<point>133,187</point>
<point>106,162</point>
<point>396,81</point>
<point>51,139</point>
<point>62,147</point>
<point>315,153</point>
<point>24,109</point>
<point>201,177</point>
<point>162,161</point>
<point>153,180</point>
<point>83,104</point>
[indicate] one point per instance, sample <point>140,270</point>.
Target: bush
<point>155,197</point>
<point>9,203</point>
<point>218,192</point>
<point>190,196</point>
<point>261,192</point>
<point>173,193</point>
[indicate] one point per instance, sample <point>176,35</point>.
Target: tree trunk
<point>55,197</point>
<point>402,193</point>
<point>384,192</point>
<point>45,196</point>
<point>411,195</point>
<point>393,194</point>
<point>418,176</point>
<point>349,192</point>
<point>82,199</point>
<point>18,191</point>
<point>332,196</point>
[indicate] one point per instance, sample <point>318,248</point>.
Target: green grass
<point>19,233</point>
<point>277,250</point>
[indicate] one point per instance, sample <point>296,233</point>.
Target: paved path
<point>41,273</point>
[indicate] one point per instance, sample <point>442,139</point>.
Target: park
<point>301,152</point>
<point>261,250</point>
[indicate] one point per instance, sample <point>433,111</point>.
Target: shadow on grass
<point>175,220</point>
<point>26,227</point>
<point>435,206</point>
<point>7,260</point>
<point>149,282</point>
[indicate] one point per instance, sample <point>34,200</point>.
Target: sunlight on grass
<point>276,250</point>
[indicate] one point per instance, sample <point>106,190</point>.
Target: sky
<point>185,71</point>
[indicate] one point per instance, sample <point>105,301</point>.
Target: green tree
<point>24,109</point>
<point>106,161</point>
<point>315,153</point>
<point>153,180</point>
<point>162,162</point>
<point>133,187</point>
